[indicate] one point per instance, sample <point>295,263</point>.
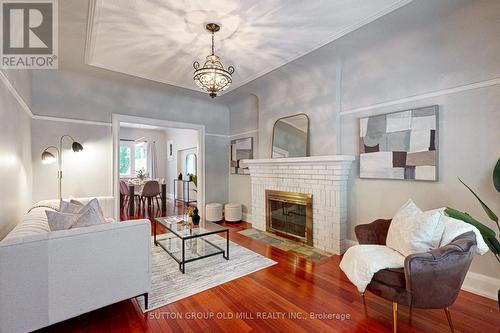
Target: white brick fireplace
<point>325,177</point>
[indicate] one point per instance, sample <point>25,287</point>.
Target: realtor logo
<point>29,34</point>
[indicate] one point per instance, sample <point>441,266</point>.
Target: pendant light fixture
<point>212,77</point>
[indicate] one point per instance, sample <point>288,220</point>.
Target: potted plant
<point>142,175</point>
<point>488,234</point>
<point>193,178</point>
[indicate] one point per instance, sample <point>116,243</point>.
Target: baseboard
<point>475,283</point>
<point>481,285</point>
<point>247,217</point>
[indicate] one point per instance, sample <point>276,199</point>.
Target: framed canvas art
<point>400,145</point>
<point>241,149</point>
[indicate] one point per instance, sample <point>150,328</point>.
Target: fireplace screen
<point>289,215</point>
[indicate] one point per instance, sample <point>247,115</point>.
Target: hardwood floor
<point>295,295</point>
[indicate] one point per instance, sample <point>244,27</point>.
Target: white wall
<point>15,152</point>
<point>158,136</point>
<point>422,48</point>
<point>182,139</point>
<point>86,173</point>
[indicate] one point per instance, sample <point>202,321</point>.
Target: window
<point>141,157</point>
<point>125,167</point>
<point>133,157</point>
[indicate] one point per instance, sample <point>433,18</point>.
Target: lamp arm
<point>55,148</point>
<point>60,163</point>
<point>60,149</point>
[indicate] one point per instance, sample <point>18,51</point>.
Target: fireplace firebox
<point>289,214</point>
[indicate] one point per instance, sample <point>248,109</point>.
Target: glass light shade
<point>212,77</point>
<point>48,158</point>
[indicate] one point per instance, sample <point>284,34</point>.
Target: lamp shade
<point>76,146</point>
<point>48,157</point>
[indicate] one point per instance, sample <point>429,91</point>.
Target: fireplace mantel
<point>301,160</point>
<point>325,177</point>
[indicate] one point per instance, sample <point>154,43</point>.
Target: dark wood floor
<point>293,287</point>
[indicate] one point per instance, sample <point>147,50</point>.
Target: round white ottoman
<point>213,212</point>
<point>232,212</point>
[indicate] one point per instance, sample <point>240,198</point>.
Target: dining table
<point>135,186</point>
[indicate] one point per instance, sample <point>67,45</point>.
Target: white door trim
<point>117,119</point>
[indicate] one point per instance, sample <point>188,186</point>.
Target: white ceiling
<point>159,39</point>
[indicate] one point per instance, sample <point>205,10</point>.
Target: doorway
<point>181,137</point>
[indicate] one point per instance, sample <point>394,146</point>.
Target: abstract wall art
<point>241,149</point>
<point>400,145</point>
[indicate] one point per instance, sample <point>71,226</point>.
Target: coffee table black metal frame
<point>182,262</point>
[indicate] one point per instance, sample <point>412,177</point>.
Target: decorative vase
<point>189,220</point>
<point>196,217</point>
<point>180,176</point>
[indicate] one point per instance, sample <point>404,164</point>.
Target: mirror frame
<point>307,133</point>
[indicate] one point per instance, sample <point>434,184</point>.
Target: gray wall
<point>422,48</point>
<point>86,173</point>
<point>244,122</point>
<point>15,153</point>
<point>79,91</point>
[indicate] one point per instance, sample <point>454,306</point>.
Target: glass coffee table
<point>188,243</point>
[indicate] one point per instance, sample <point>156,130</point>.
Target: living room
<point>313,125</point>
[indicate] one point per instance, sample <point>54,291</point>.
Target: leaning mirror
<point>191,164</point>
<point>291,136</point>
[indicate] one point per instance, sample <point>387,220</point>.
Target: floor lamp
<point>49,158</point>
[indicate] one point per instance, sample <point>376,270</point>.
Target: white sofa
<point>47,277</point>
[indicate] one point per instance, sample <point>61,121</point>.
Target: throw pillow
<point>87,218</point>
<point>76,202</point>
<point>412,231</point>
<point>408,209</point>
<point>69,217</point>
<point>454,228</point>
<point>94,205</point>
<point>60,221</point>
<point>70,207</point>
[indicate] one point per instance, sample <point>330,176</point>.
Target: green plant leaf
<point>483,229</point>
<point>488,211</point>
<point>496,176</point>
<point>487,233</point>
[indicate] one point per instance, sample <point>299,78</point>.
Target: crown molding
<point>72,120</point>
<point>437,93</point>
<point>15,94</point>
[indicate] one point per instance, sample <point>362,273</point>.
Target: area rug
<point>301,250</point>
<point>168,284</point>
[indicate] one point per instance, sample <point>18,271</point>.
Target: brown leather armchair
<point>430,280</point>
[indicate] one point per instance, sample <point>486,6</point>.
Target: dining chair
<point>150,191</point>
<point>124,194</point>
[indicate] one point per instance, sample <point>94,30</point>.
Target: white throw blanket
<point>361,262</point>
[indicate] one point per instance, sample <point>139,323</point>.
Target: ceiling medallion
<point>212,77</point>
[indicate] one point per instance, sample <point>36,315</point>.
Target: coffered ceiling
<point>159,39</point>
